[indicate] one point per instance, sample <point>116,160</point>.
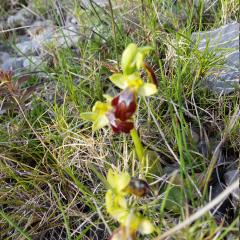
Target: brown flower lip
<point>124,105</point>
<point>119,126</point>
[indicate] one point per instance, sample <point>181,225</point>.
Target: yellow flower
<point>116,203</point>
<point>117,207</point>
<point>118,181</point>
<point>137,223</point>
<point>135,82</point>
<point>98,115</point>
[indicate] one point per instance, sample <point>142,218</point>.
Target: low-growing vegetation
<point>109,130</point>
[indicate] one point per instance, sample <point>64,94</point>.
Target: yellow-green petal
<point>146,227</point>
<point>123,181</point>
<point>108,97</point>
<point>145,50</point>
<point>109,200</point>
<point>100,122</point>
<point>101,107</point>
<point>120,215</point>
<point>88,116</point>
<point>116,205</point>
<point>110,177</point>
<point>134,80</point>
<point>118,181</point>
<point>142,53</point>
<point>147,89</point>
<point>133,221</point>
<point>119,80</point>
<point>139,60</point>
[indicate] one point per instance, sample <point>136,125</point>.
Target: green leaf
<point>13,224</point>
<point>175,200</point>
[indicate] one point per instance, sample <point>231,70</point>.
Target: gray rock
<point>67,37</point>
<point>19,63</point>
<point>41,32</point>
<point>12,64</point>
<point>45,33</point>
<point>32,62</point>
<point>230,177</point>
<point>28,47</point>
<point>101,3</point>
<point>22,18</point>
<point>3,57</point>
<point>224,42</point>
<point>207,4</point>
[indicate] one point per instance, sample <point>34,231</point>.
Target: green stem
<point>138,147</point>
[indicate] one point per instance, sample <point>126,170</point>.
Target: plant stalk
<point>138,147</point>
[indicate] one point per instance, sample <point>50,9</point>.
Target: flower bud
<point>128,59</point>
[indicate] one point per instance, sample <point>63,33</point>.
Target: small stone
<point>42,31</point>
<point>224,42</point>
<point>101,3</point>
<point>3,57</point>
<point>12,64</point>
<point>28,47</point>
<point>22,18</point>
<point>32,62</point>
<point>66,38</point>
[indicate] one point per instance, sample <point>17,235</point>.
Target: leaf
<point>13,224</point>
<point>153,162</point>
<point>175,200</point>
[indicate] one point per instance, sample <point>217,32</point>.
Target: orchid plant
<point>118,113</point>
